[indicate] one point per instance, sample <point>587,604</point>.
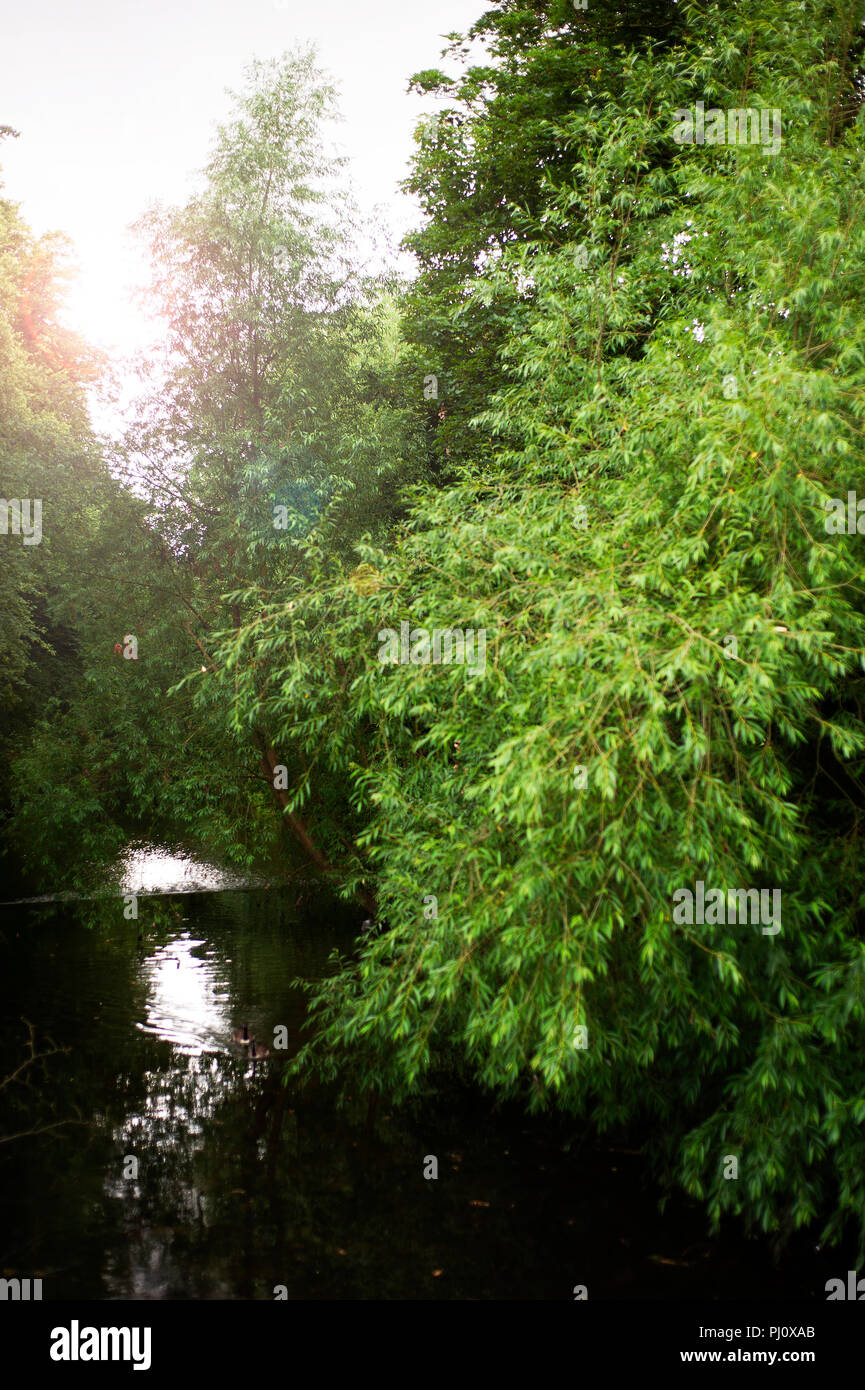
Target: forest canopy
<point>522,602</point>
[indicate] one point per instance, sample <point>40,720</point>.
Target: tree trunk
<point>298,828</point>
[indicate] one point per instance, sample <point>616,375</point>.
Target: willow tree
<point>672,696</point>
<point>485,168</point>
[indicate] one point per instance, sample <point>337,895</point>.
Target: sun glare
<point>101,300</point>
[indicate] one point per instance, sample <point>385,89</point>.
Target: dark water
<point>243,1184</point>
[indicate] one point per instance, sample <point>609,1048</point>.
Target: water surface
<point>189,1173</point>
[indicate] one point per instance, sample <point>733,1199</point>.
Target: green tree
<point>277,416</point>
<point>675,420</point>
<point>49,460</point>
<point>92,748</point>
<point>487,172</point>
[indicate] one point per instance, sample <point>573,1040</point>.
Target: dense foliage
<point>650,357</point>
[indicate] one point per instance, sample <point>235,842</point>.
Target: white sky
<point>116,101</point>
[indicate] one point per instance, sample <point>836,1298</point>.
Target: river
<point>167,1166</point>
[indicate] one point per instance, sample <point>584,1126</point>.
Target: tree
<point>277,414</point>
<point>53,485</point>
<point>486,175</point>
<point>673,686</point>
<point>89,741</point>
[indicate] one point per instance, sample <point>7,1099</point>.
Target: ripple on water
<point>150,868</point>
<point>188,997</point>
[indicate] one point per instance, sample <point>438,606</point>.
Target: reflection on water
<point>188,1004</point>
<point>148,868</point>
<point>188,996</point>
<point>174,1130</point>
<point>168,1166</point>
<point>161,1141</point>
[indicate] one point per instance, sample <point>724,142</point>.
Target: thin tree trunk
<point>298,827</point>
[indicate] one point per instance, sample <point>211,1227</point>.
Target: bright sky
<point>116,102</point>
